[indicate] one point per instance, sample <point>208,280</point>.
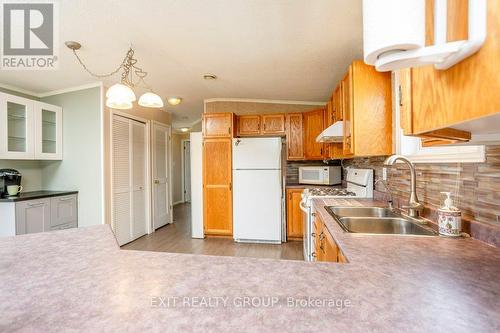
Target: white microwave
<point>320,175</point>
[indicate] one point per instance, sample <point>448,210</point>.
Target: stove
<point>359,185</point>
<point>330,191</point>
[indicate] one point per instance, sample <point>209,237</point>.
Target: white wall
<point>31,173</point>
<point>80,168</point>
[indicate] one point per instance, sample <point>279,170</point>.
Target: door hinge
<point>400,95</point>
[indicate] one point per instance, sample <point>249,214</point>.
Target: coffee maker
<point>8,177</point>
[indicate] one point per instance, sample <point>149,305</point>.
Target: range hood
<point>333,133</point>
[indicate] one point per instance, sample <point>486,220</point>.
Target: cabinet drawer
<point>63,210</point>
<point>68,225</point>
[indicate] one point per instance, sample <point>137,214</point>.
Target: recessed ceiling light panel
<point>174,100</point>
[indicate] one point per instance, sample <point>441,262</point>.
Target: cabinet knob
<point>157,181</point>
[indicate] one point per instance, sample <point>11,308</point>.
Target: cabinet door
<point>330,247</point>
<point>313,126</point>
<point>217,186</point>
<point>273,124</point>
<point>248,125</point>
<point>347,108</point>
<point>295,229</point>
<point>294,136</point>
<point>48,131</point>
<point>466,91</point>
<point>329,113</point>
<point>32,216</point>
<point>63,210</point>
<point>218,125</point>
<point>16,127</point>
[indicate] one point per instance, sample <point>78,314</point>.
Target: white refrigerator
<point>257,190</point>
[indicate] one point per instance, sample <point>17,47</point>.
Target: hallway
<point>176,237</point>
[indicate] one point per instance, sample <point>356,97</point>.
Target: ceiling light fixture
<point>121,95</point>
<point>184,129</point>
<point>209,76</point>
<point>174,100</point>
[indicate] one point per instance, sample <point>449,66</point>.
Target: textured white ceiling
<point>261,49</point>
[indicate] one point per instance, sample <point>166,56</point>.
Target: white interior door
<point>161,172</point>
<point>187,171</point>
<point>129,167</point>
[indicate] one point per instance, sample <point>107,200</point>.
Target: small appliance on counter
<point>8,177</point>
<point>320,175</point>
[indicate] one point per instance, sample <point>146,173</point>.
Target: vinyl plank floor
<point>176,238</point>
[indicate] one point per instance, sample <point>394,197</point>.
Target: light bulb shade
<point>150,100</point>
<point>120,93</point>
<point>118,104</point>
<point>174,100</point>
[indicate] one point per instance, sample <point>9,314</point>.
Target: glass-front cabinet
<point>48,131</point>
<point>29,129</point>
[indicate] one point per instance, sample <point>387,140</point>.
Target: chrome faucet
<point>414,206</point>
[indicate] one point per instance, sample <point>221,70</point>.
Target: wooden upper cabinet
<point>273,124</point>
<point>249,125</point>
<point>313,126</point>
<point>294,213</point>
<point>218,125</point>
<point>329,113</point>
<point>347,108</point>
<point>436,99</point>
<point>294,136</point>
<point>217,187</point>
<point>366,103</point>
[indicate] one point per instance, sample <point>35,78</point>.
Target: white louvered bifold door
<point>121,179</point>
<point>129,179</point>
<point>139,166</point>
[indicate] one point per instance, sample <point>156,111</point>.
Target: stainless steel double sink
<point>377,220</point>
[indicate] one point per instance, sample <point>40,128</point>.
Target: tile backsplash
<point>475,188</point>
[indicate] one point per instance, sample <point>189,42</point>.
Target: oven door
<point>307,223</point>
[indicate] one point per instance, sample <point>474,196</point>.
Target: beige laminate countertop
<point>79,280</point>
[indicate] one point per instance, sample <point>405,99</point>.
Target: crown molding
<point>71,89</point>
<point>52,92</point>
<point>19,90</point>
<point>271,101</point>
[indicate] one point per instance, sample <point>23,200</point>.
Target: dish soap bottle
<point>450,221</point>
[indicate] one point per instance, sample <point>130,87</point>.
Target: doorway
<point>161,148</point>
<point>186,170</point>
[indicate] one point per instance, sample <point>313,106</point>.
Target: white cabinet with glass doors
<point>29,130</point>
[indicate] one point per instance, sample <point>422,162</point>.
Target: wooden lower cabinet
<point>326,249</point>
<point>294,225</point>
<point>217,187</point>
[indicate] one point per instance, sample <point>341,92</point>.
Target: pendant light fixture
<point>151,100</point>
<point>120,95</point>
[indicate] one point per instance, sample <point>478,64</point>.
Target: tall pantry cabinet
<point>217,174</point>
